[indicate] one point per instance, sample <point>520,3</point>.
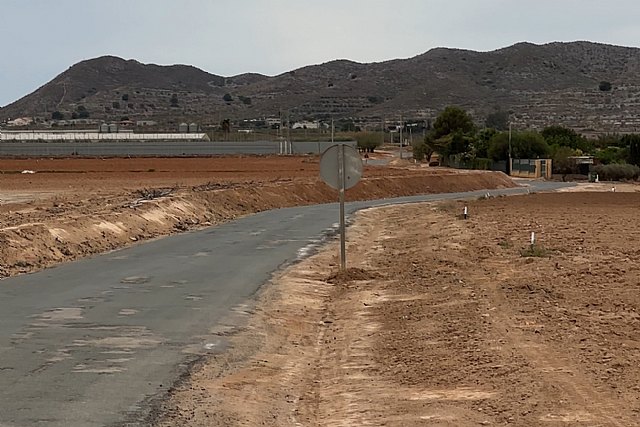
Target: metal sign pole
<point>341,169</point>
<point>341,180</point>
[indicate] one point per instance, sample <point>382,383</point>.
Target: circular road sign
<point>330,166</point>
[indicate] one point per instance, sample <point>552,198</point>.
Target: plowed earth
<point>438,321</point>
<point>441,321</point>
<point>70,208</point>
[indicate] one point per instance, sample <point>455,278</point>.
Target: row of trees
<point>454,134</point>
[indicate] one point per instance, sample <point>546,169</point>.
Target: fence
<point>477,163</point>
<point>531,168</point>
<point>157,148</point>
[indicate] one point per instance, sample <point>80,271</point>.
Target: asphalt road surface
<point>97,341</point>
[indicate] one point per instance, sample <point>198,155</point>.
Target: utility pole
<point>332,130</point>
<point>401,137</point>
<point>510,161</point>
<point>289,131</point>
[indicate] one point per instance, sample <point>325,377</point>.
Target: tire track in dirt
<point>440,322</point>
<point>584,402</point>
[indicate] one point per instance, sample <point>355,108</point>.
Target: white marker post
<point>465,212</point>
<point>533,238</point>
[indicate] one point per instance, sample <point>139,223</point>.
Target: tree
<point>225,125</point>
<point>82,112</point>
<point>174,100</point>
<point>562,162</point>
<point>125,97</point>
<point>452,119</point>
<point>524,145</point>
<point>612,154</point>
<point>227,97</point>
<point>633,142</point>
<point>565,137</point>
<point>347,125</point>
<point>418,150</point>
<point>481,144</point>
<point>452,133</point>
<point>604,86</point>
<point>57,115</point>
<point>498,120</point>
<point>609,140</point>
<point>368,141</point>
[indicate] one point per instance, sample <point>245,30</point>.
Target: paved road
<point>156,148</point>
<point>93,342</point>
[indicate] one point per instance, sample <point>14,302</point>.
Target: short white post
<point>533,238</point>
<point>465,212</point>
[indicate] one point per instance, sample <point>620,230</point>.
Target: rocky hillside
<point>538,84</point>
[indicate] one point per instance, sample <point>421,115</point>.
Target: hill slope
<point>538,84</point>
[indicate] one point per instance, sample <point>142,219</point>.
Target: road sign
<point>330,166</point>
<point>341,168</point>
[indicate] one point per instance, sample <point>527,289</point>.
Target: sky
<point>42,38</point>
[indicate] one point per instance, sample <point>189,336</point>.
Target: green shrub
<point>368,141</point>
<point>604,86</point>
<point>535,251</point>
<point>617,172</point>
<point>611,154</point>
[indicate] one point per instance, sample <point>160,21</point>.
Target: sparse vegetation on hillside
<point>495,87</point>
<point>604,86</point>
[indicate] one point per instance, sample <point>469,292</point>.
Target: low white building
<point>20,121</point>
<point>51,136</point>
<point>306,125</point>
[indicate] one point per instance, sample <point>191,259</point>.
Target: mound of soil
<point>71,208</point>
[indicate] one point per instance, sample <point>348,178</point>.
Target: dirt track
<point>444,322</point>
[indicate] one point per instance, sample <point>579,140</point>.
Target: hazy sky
<point>42,38</point>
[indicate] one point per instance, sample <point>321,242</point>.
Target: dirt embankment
<point>73,208</point>
<point>441,321</point>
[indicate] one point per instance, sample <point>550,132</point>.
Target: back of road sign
<point>330,166</point>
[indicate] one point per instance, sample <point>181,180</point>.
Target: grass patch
<point>447,207</point>
<point>535,251</point>
<point>505,244</point>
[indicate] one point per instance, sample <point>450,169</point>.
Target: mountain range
<point>587,86</point>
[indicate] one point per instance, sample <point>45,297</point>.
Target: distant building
<point>87,135</point>
<point>306,125</point>
<point>142,123</point>
<point>20,121</point>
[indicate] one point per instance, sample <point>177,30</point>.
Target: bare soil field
<point>70,208</point>
<point>441,321</point>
